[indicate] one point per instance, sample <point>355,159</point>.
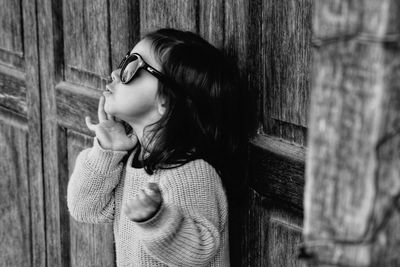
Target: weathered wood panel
<point>51,58</point>
<point>284,238</point>
<point>73,104</point>
<point>15,219</point>
<point>11,41</point>
<point>273,233</point>
<point>276,170</point>
<point>286,39</point>
<point>124,28</point>
<point>11,26</point>
<point>13,90</point>
<point>211,21</point>
<point>86,42</point>
<point>255,242</point>
<point>179,14</point>
<point>353,175</point>
<point>35,152</point>
<point>90,244</point>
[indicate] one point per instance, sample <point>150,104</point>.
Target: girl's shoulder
<point>194,171</point>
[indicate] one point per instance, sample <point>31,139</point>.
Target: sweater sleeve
<point>90,192</point>
<point>186,231</point>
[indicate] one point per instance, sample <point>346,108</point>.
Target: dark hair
<point>206,104</point>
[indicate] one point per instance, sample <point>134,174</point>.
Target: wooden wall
<point>352,215</point>
<point>54,59</point>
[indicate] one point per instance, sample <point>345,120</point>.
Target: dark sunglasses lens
<point>130,69</point>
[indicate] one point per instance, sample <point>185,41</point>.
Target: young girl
<point>170,124</point>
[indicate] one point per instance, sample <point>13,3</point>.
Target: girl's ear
<point>161,105</point>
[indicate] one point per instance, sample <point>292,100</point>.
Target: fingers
<point>146,200</point>
<point>100,111</point>
<point>145,204</point>
<point>89,124</point>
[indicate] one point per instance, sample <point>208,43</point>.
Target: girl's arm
<point>90,194</point>
<point>187,230</point>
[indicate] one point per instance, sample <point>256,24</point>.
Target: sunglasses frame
<point>142,65</point>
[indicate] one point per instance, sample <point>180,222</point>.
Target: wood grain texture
<point>86,42</point>
<point>287,57</point>
<point>90,244</point>
<point>13,90</point>
<point>236,31</point>
<point>211,21</point>
<point>272,234</point>
<point>255,243</point>
<point>73,104</point>
<point>15,219</point>
<point>276,170</point>
<point>124,28</point>
<point>255,73</point>
<point>180,14</point>
<point>352,166</point>
<point>11,26</point>
<point>284,238</point>
<point>51,54</point>
<point>34,122</point>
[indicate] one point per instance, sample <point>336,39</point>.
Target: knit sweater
<point>190,228</point>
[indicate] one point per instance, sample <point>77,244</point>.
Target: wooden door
<point>22,221</point>
<point>80,43</point>
<point>52,81</point>
<point>279,71</point>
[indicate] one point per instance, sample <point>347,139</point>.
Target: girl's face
<point>136,102</point>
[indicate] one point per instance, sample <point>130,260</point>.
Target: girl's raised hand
<point>145,204</point>
<point>110,133</point>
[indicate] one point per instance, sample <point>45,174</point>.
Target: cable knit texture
<point>190,228</point>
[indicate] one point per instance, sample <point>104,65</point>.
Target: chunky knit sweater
<point>190,228</point>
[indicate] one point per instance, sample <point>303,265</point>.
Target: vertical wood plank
<point>15,209</point>
<point>211,21</point>
<point>85,36</point>
<point>180,14</point>
<point>255,242</point>
<point>255,72</point>
<point>50,39</point>
<point>124,28</point>
<point>34,118</point>
<point>287,60</point>
<point>11,26</point>
<point>284,238</point>
<point>86,42</point>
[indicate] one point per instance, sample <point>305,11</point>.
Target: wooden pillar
<point>352,190</point>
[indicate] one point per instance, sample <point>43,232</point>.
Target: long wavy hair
<point>207,105</point>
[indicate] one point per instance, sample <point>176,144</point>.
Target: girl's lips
<point>106,93</point>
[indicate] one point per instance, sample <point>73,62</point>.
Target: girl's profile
<point>170,124</point>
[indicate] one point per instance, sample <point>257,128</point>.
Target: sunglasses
<point>132,63</point>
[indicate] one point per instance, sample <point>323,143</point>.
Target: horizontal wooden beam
<point>276,171</point>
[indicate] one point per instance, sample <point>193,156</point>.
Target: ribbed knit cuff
<point>102,160</point>
<point>165,221</point>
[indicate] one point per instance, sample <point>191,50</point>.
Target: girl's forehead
<point>144,49</point>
